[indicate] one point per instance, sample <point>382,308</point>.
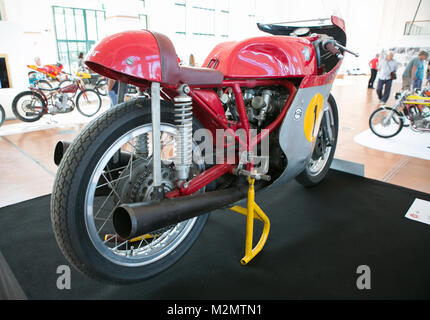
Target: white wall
<point>372,25</point>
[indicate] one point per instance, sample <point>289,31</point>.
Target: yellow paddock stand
<point>253,211</point>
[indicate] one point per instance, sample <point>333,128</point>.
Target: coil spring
<point>184,125</point>
<point>143,145</point>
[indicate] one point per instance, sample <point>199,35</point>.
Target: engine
<point>262,104</point>
<point>61,104</point>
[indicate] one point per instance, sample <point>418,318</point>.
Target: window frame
<point>88,42</point>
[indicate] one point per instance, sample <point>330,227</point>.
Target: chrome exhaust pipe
<point>135,219</point>
<point>116,162</point>
<point>60,150</point>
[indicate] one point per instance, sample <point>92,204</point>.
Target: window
<point>417,28</point>
<point>143,19</point>
<point>181,14</point>
<point>203,18</point>
<point>4,72</point>
<point>77,30</point>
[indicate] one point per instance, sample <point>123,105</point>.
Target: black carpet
<point>319,237</point>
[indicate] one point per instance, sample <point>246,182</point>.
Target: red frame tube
<point>218,170</point>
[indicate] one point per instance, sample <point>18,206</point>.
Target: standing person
<point>387,68</point>
<point>373,64</point>
<point>81,64</point>
<point>192,61</point>
<point>414,72</point>
<point>113,92</point>
<point>428,74</point>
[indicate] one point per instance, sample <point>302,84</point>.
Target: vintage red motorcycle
<point>134,189</point>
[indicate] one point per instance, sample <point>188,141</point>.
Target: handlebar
<point>330,47</point>
<point>333,47</point>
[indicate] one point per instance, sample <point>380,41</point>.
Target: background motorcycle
<point>133,190</point>
<point>387,122</point>
<point>31,105</point>
<point>2,115</point>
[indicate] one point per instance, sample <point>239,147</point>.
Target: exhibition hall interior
<point>214,149</point>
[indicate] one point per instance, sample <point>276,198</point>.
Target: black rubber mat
<point>319,236</point>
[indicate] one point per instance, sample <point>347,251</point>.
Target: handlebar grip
<point>333,50</point>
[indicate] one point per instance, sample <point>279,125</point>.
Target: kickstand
<point>51,120</point>
<point>253,211</point>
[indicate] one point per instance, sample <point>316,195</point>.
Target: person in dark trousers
<point>113,92</point>
<point>373,64</point>
<point>414,72</point>
<point>387,67</point>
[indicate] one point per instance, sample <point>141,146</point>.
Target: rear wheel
<point>325,146</point>
<point>28,106</point>
<point>107,165</point>
<point>386,122</point>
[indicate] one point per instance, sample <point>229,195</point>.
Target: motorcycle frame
<point>216,171</point>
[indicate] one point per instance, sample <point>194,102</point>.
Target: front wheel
<point>386,122</point>
<point>88,102</point>
<point>325,146</point>
<point>109,164</point>
<point>101,87</point>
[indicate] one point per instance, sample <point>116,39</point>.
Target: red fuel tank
<point>264,57</point>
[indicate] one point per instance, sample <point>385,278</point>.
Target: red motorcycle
<point>134,189</point>
<point>30,106</point>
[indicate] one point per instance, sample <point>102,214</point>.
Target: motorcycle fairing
<point>292,137</point>
<point>335,30</point>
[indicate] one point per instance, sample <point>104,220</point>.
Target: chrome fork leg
<point>156,136</point>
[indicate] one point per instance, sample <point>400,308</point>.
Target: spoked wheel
<point>386,122</point>
<point>44,85</point>
<point>64,83</point>
<point>2,115</point>
<point>101,87</point>
<point>325,147</point>
<point>88,102</point>
<point>109,164</point>
<point>28,106</point>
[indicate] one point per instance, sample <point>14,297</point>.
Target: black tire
<point>31,95</point>
<point>306,177</point>
<point>72,179</point>
<point>398,122</point>
<point>44,84</point>
<point>81,100</point>
<point>2,115</point>
<point>101,87</point>
<point>64,83</point>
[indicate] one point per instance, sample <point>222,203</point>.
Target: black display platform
<point>319,236</point>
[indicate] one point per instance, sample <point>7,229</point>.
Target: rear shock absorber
<point>143,146</point>
<point>184,139</point>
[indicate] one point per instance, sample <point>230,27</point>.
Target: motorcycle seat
<point>174,74</point>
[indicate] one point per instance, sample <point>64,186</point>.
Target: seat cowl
<point>129,56</point>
